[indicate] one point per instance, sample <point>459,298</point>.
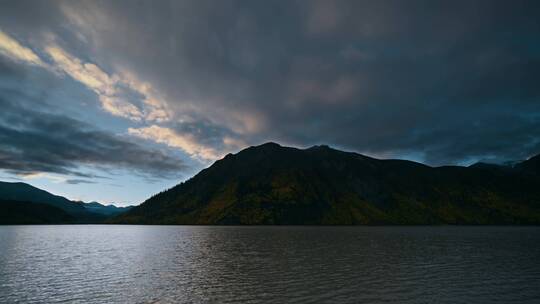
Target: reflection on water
<point>183,264</point>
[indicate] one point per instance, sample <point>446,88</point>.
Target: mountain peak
<point>320,147</point>
<point>269,144</point>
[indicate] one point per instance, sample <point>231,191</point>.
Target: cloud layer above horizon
<point>158,87</point>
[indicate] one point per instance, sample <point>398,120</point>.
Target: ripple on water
<point>182,264</point>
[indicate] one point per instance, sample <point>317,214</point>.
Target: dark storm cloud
<point>35,140</point>
<point>450,81</point>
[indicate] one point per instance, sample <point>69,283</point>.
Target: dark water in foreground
<point>180,264</point>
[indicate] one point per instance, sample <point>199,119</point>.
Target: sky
<point>113,101</point>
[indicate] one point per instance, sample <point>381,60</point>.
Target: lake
<point>202,264</point>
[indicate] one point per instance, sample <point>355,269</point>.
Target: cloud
<point>186,142</point>
<point>449,81</point>
<point>119,107</point>
<point>74,181</point>
<point>35,141</point>
<point>234,143</point>
<point>341,90</point>
<point>35,175</point>
<point>86,73</point>
<point>97,80</point>
<point>54,178</point>
<point>113,89</point>
<point>12,49</point>
<point>155,108</point>
<point>322,17</point>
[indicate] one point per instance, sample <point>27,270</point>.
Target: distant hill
<point>108,210</point>
<point>18,213</point>
<point>79,212</point>
<point>271,184</point>
<point>26,193</point>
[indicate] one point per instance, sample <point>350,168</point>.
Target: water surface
<point>198,264</point>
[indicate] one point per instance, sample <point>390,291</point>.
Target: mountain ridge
<point>272,184</point>
<point>78,212</point>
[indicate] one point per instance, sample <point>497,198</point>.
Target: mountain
<point>18,213</point>
<point>78,212</point>
<point>26,193</point>
<point>108,210</point>
<point>271,184</point>
<point>531,165</point>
